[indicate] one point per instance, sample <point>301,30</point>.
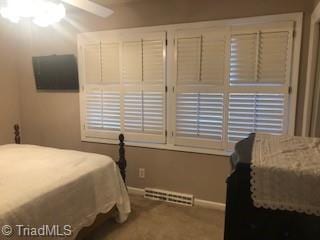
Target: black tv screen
<point>56,72</point>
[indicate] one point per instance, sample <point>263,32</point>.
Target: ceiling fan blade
<point>90,7</point>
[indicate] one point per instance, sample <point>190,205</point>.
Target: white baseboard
<point>197,202</point>
<point>209,204</point>
<point>136,191</point>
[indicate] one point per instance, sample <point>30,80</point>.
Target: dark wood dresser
<point>243,221</point>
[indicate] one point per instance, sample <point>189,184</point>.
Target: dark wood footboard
<point>17,138</point>
<point>122,163</point>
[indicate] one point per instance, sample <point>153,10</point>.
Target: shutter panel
<point>273,57</point>
<point>110,61</point>
<point>249,112</point>
<point>92,63</point>
<point>132,62</point>
<point>199,115</point>
<point>144,116</point>
<point>188,60</point>
<point>133,112</point>
<point>111,111</point>
<point>243,58</point>
<point>213,59</point>
<point>102,110</point>
<point>144,101</point>
<point>153,61</point>
<point>94,109</point>
<point>199,107</point>
<point>153,119</point>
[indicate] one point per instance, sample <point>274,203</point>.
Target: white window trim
<point>171,29</point>
<point>311,70</point>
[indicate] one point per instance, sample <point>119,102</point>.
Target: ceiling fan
<point>44,12</point>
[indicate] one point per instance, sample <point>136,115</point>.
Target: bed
<point>243,221</point>
<point>51,188</point>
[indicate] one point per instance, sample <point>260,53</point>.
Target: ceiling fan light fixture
<point>43,13</point>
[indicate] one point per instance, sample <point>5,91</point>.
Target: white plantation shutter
<point>143,112</point>
<point>144,96</point>
<point>92,63</point>
<point>153,114</point>
<point>111,111</point>
<point>250,112</point>
<point>199,105</point>
<point>200,115</point>
<point>213,58</point>
<point>188,59</point>
<point>243,58</point>
<point>94,109</point>
<point>273,57</point>
<point>153,61</point>
<point>260,58</point>
<point>224,82</point>
<point>102,113</point>
<point>110,61</point>
<point>133,112</point>
<point>125,88</point>
<point>132,62</point>
<point>260,62</point>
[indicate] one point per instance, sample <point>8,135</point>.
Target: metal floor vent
<point>167,196</point>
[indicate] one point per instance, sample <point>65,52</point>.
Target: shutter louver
<point>110,62</point>
<point>199,115</point>
<point>92,63</point>
<point>249,112</point>
<point>188,60</point>
<point>243,58</point>
<point>273,57</point>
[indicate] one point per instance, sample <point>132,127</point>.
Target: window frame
<point>171,30</point>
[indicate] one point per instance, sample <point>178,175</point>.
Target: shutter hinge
<point>84,127</point>
<point>166,88</point>
<point>166,42</point>
<point>172,89</point>
<point>172,133</point>
<point>166,133</point>
<point>290,90</point>
<point>294,33</point>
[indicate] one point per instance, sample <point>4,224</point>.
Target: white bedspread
<point>286,173</point>
<point>40,186</point>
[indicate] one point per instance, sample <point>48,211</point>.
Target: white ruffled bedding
<point>40,185</point>
<point>286,173</point>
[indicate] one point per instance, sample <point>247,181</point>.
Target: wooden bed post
<point>17,138</point>
<point>122,163</point>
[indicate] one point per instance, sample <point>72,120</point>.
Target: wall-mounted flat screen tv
<point>56,72</point>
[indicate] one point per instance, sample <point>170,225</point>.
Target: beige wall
<point>52,119</point>
<point>9,91</point>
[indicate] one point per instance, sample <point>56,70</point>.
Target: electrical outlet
<point>141,172</point>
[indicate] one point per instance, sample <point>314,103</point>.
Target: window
<point>189,88</point>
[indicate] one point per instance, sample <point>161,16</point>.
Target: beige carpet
<point>157,220</point>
